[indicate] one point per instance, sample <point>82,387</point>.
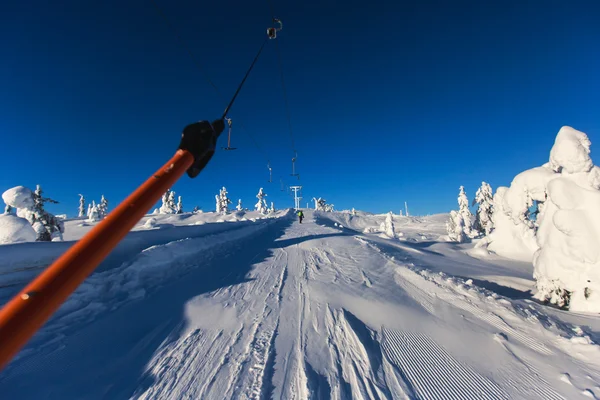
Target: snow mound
<point>18,197</point>
<point>150,223</point>
<point>14,229</point>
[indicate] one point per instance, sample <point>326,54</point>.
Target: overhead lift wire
<point>283,87</point>
<point>197,64</point>
<point>285,96</point>
<point>23,315</point>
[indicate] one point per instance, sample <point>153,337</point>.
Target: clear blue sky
<point>390,100</point>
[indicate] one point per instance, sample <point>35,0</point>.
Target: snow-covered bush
<point>14,229</point>
<point>81,210</point>
<point>150,223</point>
<point>483,218</point>
<point>261,205</point>
<point>8,209</point>
<point>239,205</point>
<point>272,209</point>
<point>196,209</point>
<point>463,209</point>
<point>455,227</point>
<point>30,205</point>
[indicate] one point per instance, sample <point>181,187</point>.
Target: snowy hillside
<point>188,307</point>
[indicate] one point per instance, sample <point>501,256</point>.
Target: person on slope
<point>300,216</point>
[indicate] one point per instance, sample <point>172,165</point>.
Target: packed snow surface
<point>261,307</point>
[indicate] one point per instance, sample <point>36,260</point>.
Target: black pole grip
<point>200,139</point>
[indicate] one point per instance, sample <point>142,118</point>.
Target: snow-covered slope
<point>277,309</point>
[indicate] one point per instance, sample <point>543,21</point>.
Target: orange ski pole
<point>22,316</point>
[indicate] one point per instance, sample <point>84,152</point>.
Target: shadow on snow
<point>107,358</point>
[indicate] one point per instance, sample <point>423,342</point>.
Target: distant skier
<point>300,215</point>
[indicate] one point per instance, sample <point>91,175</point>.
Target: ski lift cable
<point>23,315</point>
<point>197,64</point>
<point>285,96</point>
<point>280,64</point>
<point>284,90</point>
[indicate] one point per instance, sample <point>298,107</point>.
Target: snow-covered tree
<point>222,201</point>
<point>164,202</point>
<point>239,205</point>
<point>179,208</point>
<point>218,203</point>
<point>563,241</point>
<point>483,218</point>
<point>567,264</point>
<point>102,208</point>
<point>168,205</point>
<point>261,205</point>
<point>92,208</point>
<point>320,204</point>
<point>388,226</point>
<point>329,207</point>
<point>272,209</point>
<point>94,213</point>
<point>19,228</point>
<point>30,206</point>
<point>455,227</point>
<point>353,211</point>
<point>81,206</point>
<point>463,209</point>
<point>53,227</point>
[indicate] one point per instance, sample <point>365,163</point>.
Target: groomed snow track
<point>279,310</point>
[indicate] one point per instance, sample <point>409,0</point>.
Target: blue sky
<point>390,101</point>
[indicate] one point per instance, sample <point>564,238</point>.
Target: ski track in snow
<point>321,313</point>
